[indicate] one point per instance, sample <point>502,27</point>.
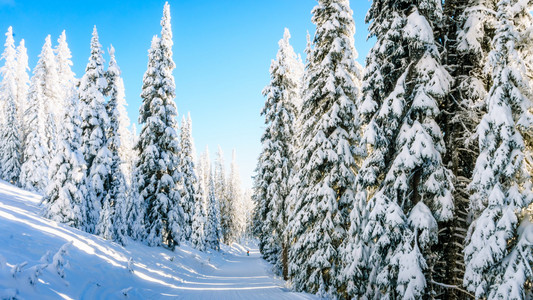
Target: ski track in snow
<point>98,269</point>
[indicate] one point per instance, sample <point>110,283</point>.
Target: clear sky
<point>222,50</point>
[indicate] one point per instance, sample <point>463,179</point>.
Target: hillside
<point>40,259</point>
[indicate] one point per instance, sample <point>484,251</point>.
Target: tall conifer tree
<point>409,188</point>
<point>277,156</point>
<point>190,194</point>
<point>497,267</point>
<point>10,133</point>
<point>66,193</point>
<point>95,122</point>
<point>329,153</point>
<point>159,178</point>
<point>23,83</point>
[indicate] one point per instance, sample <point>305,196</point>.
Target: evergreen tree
<point>95,122</point>
<point>40,121</point>
<point>66,78</point>
<point>66,192</point>
<point>135,210</point>
<point>468,33</point>
<point>221,193</point>
<point>159,178</point>
<point>276,159</point>
<point>329,153</point>
<point>213,232</point>
<point>235,194</point>
<point>34,170</point>
<point>10,149</point>
<point>496,267</point>
<point>23,80</point>
<point>409,188</point>
<point>112,224</point>
<point>190,194</point>
<point>52,96</point>
<point>198,234</point>
<point>204,176</point>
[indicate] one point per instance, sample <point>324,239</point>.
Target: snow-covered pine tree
<point>10,132</point>
<point>198,233</point>
<point>204,171</point>
<point>40,120</point>
<point>64,199</point>
<point>213,232</point>
<point>327,161</point>
<point>409,188</point>
<point>127,152</point>
<point>66,77</point>
<point>34,170</point>
<point>135,210</point>
<point>159,178</point>
<point>260,210</point>
<point>95,122</point>
<point>235,194</point>
<point>496,267</point>
<point>469,27</point>
<point>294,181</point>
<point>221,193</point>
<point>52,95</point>
<point>198,237</point>
<point>276,159</point>
<point>190,194</point>
<point>249,208</point>
<point>23,82</point>
<point>113,223</point>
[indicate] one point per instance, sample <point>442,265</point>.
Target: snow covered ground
<point>40,259</point>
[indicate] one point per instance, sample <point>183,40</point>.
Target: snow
<point>94,268</point>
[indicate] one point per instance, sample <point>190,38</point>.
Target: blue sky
<point>222,50</point>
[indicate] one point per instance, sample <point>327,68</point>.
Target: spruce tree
<point>497,267</point>
<point>159,178</point>
<point>190,194</point>
<point>469,27</point>
<point>204,173</point>
<point>235,194</point>
<point>276,158</point>
<point>52,96</point>
<point>66,78</point>
<point>10,133</point>
<point>327,160</point>
<point>23,82</point>
<point>112,224</point>
<point>213,232</point>
<point>221,193</point>
<point>409,188</point>
<point>199,221</point>
<point>135,210</point>
<point>199,218</point>
<point>66,193</point>
<point>34,170</point>
<point>95,122</point>
<point>37,156</point>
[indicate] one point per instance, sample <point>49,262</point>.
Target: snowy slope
<point>99,269</point>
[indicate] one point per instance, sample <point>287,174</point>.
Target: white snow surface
<point>95,268</point>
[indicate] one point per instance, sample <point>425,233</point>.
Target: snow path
<point>98,269</point>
